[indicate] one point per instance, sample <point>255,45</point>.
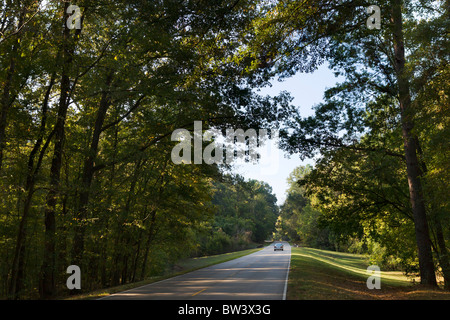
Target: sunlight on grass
<point>327,275</point>
<point>352,263</point>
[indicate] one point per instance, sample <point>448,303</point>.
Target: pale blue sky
<point>307,90</point>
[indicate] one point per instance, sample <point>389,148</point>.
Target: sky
<point>275,167</point>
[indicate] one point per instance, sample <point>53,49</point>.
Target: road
<point>259,276</point>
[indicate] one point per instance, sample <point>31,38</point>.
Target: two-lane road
<point>258,276</point>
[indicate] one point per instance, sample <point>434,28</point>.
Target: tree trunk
<point>32,171</point>
<point>436,227</point>
<point>6,103</point>
<point>414,173</point>
<point>6,100</point>
<point>136,257</point>
<point>443,252</point>
<point>88,174</point>
<point>148,243</point>
<point>47,283</point>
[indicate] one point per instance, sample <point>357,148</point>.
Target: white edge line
<point>287,275</point>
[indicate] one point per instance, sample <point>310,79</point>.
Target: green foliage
<point>299,219</point>
<point>246,213</point>
<point>86,117</point>
<point>85,123</point>
<point>382,133</point>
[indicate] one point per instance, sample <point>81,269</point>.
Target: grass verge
<point>184,266</point>
<point>326,275</point>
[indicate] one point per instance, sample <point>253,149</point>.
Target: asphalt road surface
<point>259,276</point>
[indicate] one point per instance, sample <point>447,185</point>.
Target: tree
<point>299,215</point>
<point>246,210</point>
<point>86,117</point>
<point>378,66</point>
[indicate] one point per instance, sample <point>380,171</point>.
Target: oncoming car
<point>278,246</point>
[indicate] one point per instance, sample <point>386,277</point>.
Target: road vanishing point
<point>262,275</point>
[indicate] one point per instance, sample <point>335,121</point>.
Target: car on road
<point>278,246</point>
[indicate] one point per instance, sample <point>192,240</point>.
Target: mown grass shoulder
<point>327,275</point>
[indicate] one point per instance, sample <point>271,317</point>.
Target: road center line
<point>198,292</point>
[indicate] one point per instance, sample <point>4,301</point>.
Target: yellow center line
<point>198,292</point>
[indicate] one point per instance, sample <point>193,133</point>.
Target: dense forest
<point>91,92</point>
<point>87,116</point>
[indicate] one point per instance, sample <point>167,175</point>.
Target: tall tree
<point>93,109</point>
<point>68,44</point>
<point>374,63</point>
<point>414,172</point>
<point>27,55</point>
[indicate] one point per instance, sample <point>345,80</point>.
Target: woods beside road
<point>92,91</point>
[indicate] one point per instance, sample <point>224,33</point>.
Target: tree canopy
<point>374,121</point>
<point>91,92</point>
